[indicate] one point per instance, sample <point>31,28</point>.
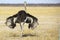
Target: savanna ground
<point>48,17</point>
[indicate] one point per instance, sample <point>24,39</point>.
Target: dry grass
<point>46,30</point>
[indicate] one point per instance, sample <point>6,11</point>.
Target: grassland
<point>49,19</point>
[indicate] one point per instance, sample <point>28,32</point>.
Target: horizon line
<point>42,4</point>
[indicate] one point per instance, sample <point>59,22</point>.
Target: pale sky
<point>29,1</point>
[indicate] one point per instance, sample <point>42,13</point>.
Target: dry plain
<point>48,18</point>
